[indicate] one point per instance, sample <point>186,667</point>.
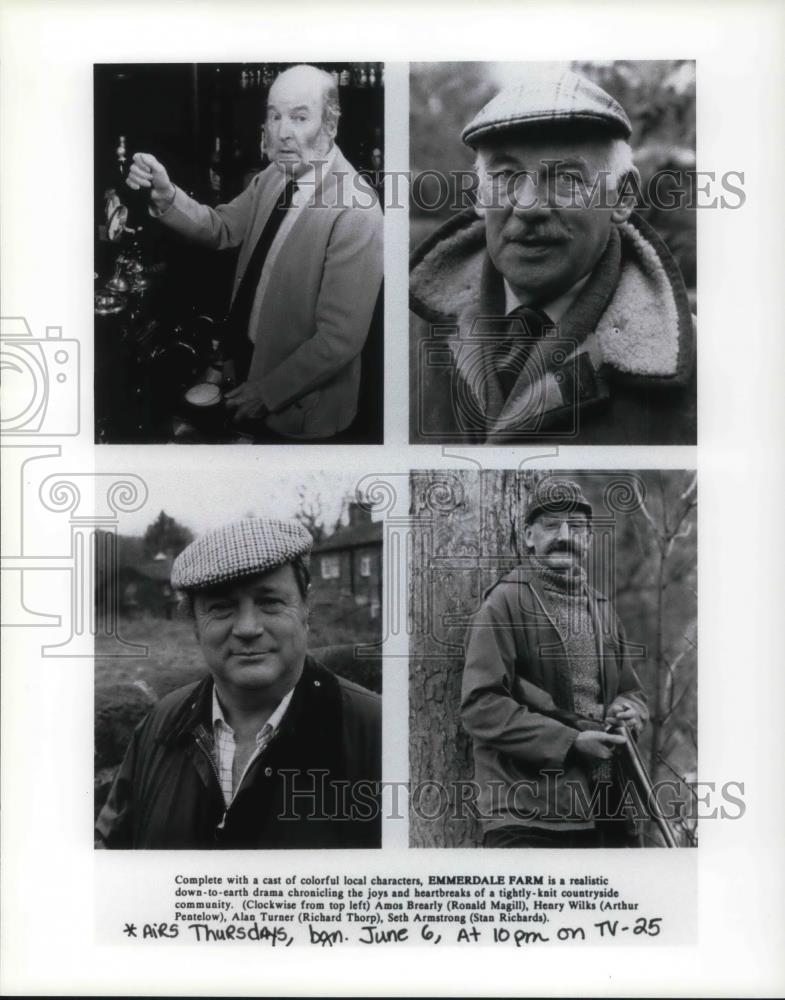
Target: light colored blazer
<point>312,321</point>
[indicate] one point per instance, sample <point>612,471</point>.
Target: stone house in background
<point>346,567</point>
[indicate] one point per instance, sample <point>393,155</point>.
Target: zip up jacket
<point>314,786</point>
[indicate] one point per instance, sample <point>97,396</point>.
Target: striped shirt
<point>224,745</point>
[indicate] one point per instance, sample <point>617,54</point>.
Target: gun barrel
<point>647,788</point>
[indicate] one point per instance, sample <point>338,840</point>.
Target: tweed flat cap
<point>548,96</point>
<point>556,496</point>
<point>242,548</point>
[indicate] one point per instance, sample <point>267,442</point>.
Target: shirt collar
<point>273,722</point>
<point>555,308</point>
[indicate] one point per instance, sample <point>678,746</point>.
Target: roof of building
<point>369,533</point>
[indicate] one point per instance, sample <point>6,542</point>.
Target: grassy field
<point>126,689</point>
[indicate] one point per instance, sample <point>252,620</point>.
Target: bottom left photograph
<point>238,666</point>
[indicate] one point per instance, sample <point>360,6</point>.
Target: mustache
<point>566,547</point>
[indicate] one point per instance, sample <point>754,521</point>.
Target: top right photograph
<point>553,253</point>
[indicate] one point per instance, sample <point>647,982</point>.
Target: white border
<point>46,56</point>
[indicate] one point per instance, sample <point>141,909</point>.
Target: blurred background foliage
<point>655,594</point>
<point>656,598</point>
<point>658,95</point>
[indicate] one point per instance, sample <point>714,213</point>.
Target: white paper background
<point>49,871</point>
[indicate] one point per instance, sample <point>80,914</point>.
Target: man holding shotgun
<point>549,692</point>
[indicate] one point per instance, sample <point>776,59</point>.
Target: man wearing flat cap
<point>549,691</point>
<point>553,313</point>
<point>271,749</point>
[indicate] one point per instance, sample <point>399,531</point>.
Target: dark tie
<point>236,341</point>
<point>515,350</point>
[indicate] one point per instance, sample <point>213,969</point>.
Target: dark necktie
<point>238,346</point>
<point>516,348</point>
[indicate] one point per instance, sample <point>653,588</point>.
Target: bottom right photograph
<point>553,659</point>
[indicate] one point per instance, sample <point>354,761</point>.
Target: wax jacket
<point>516,673</point>
<point>618,369</point>
<point>313,318</point>
<point>314,786</point>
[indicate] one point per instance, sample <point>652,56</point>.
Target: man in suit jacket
<point>311,257</point>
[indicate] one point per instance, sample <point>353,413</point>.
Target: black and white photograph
<point>276,717</point>
<point>238,253</point>
<point>553,250</point>
<point>553,671</point>
<point>238,670</point>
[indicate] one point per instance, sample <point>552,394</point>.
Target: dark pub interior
<point>159,300</point>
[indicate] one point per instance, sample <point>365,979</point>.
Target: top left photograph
<point>238,253</point>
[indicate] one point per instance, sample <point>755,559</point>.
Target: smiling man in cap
<point>548,683</point>
<point>271,749</point>
<point>567,316</point>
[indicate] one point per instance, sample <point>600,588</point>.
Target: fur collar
<point>633,314</point>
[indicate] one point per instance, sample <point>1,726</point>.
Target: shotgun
<point>631,757</point>
<point>537,700</point>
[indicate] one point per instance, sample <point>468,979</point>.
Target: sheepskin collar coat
<point>619,369</point>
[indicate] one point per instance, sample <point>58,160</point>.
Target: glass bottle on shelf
<point>121,156</point>
<point>216,170</point>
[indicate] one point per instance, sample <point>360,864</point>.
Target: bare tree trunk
<point>466,531</point>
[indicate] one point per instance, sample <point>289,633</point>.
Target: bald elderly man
<point>309,228</point>
<point>551,312</point>
<point>271,749</point>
